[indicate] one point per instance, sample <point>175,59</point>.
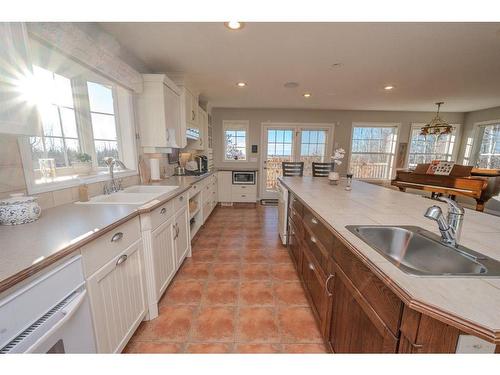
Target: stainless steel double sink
<point>419,252</point>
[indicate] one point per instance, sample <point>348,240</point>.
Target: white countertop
<point>472,304</point>
<point>26,249</point>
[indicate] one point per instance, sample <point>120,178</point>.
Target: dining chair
<point>291,168</point>
<point>321,169</point>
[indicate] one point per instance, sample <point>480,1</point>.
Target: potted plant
<point>83,164</point>
<point>338,155</point>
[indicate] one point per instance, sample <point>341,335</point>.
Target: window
<point>59,140</point>
<point>424,149</point>
<point>102,114</point>
<point>312,148</point>
<point>372,151</point>
<point>81,113</point>
<point>489,150</point>
<point>235,140</point>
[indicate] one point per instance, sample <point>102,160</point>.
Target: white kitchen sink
<point>122,198</point>
<point>148,189</point>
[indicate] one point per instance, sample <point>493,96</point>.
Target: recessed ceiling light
<point>241,84</point>
<point>234,25</point>
<point>291,85</point>
<point>388,87</point>
<point>307,95</point>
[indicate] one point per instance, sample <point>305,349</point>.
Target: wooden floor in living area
<point>239,293</point>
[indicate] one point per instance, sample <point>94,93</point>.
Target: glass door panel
<point>312,148</point>
<point>280,146</point>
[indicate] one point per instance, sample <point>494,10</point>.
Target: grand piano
<point>476,183</point>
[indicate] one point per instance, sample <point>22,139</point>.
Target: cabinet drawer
<point>100,251</point>
<point>244,193</point>
<point>316,250</point>
<point>161,214</point>
<point>294,247</point>
<point>320,231</point>
<point>316,287</point>
<point>383,301</point>
<point>180,201</point>
<point>296,205</point>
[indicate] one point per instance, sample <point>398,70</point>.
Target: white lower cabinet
<point>117,297</point>
<point>163,256</point>
<point>182,237</point>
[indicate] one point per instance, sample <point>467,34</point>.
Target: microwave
<point>243,177</point>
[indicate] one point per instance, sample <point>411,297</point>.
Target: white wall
<point>342,118</point>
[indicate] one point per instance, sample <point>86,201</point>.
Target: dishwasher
<point>282,213</point>
<point>49,315</point>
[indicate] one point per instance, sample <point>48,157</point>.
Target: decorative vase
<point>82,168</point>
<point>19,209</point>
<point>333,177</point>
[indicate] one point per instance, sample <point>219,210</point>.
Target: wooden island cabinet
<point>355,310</point>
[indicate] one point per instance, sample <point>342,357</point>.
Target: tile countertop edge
<point>436,312</point>
<point>27,272</point>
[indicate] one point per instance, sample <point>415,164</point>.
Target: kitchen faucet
<point>450,227</point>
<point>113,185</point>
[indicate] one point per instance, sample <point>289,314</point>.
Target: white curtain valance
<point>75,43</point>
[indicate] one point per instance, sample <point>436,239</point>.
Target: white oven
<point>243,177</point>
<point>49,315</point>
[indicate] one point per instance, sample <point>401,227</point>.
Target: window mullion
<point>84,122</point>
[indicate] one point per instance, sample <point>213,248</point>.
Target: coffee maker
<point>202,162</point>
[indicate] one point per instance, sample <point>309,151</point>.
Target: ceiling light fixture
<point>388,87</point>
<point>437,126</point>
<point>234,25</point>
<point>307,95</point>
<point>241,84</point>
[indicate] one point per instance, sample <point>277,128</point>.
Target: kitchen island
<point>362,301</point>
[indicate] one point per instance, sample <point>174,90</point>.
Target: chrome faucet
<point>451,227</point>
<point>114,185</point>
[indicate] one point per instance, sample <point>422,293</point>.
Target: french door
<point>291,142</point>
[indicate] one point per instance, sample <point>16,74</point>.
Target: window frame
<point>123,105</point>
<point>456,143</point>
<point>477,138</point>
<point>235,125</point>
<point>363,124</point>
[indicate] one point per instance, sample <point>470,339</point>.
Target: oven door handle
<point>68,311</point>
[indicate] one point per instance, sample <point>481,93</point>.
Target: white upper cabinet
<point>190,108</point>
<point>160,120</point>
<point>18,89</point>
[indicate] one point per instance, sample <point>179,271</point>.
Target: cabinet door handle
<point>163,211</point>
<point>314,220</point>
<point>311,267</point>
<point>243,195</point>
<point>117,237</point>
<point>121,259</point>
<point>181,198</point>
<point>326,285</point>
<point>175,230</point>
<point>313,239</point>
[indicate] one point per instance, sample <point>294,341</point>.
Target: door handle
<point>117,237</point>
<point>121,259</point>
<point>326,285</point>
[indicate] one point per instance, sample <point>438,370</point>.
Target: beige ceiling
<point>458,63</point>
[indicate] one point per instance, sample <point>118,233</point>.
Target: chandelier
<point>437,126</point>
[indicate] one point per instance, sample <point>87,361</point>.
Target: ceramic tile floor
<point>239,293</point>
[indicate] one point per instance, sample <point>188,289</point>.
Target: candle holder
<point>349,182</point>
